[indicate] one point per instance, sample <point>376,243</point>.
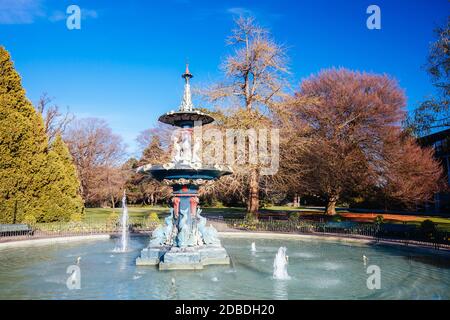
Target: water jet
<point>280,265</point>
<point>124,236</point>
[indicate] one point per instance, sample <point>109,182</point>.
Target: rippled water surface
<point>318,270</point>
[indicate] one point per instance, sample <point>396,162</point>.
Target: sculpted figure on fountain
<point>176,155</point>
<point>169,228</point>
<point>194,203</point>
<point>196,158</point>
<point>182,148</point>
<point>162,235</point>
<point>186,148</point>
<point>208,234</point>
<point>185,237</point>
<point>176,206</point>
<point>158,237</point>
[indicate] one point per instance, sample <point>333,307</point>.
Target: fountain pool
<point>317,270</point>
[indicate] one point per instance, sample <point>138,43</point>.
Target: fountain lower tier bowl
<point>186,171</point>
<point>189,258</point>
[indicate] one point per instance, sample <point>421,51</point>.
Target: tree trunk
<point>331,205</point>
<point>152,199</point>
<point>15,212</point>
<point>253,199</point>
<point>113,202</point>
<point>296,203</point>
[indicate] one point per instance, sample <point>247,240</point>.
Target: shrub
<point>336,218</point>
<point>218,204</point>
<point>428,228</point>
<point>29,219</point>
<point>264,204</point>
<point>249,225</point>
<point>250,222</point>
<point>379,220</point>
<point>294,216</point>
<point>213,203</point>
<point>251,218</point>
<point>76,217</point>
<point>357,200</point>
<point>153,218</point>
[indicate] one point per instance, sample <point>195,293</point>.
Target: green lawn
<point>101,214</point>
<point>441,223</point>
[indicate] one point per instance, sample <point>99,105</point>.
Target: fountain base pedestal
<point>189,258</point>
<point>151,256</point>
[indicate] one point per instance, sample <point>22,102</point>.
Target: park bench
<point>269,215</point>
<point>392,227</point>
<point>10,230</point>
<point>398,230</point>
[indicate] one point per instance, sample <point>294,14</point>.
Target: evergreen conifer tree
<point>62,195</point>
<point>30,173</point>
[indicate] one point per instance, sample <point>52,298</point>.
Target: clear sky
<point>124,65</point>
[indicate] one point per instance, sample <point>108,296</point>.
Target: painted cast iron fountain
<point>184,241</point>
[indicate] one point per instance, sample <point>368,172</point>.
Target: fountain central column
<point>185,204</point>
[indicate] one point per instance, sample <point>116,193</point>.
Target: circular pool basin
<point>317,270</point>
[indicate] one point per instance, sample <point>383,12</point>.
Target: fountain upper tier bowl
<point>178,118</point>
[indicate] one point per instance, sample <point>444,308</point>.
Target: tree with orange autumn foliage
<point>412,174</point>
<point>351,139</point>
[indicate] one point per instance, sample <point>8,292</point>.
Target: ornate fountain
<point>185,241</point>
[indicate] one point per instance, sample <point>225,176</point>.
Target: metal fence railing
<point>63,229</point>
<point>405,235</point>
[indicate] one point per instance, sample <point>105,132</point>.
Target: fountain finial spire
<point>186,103</point>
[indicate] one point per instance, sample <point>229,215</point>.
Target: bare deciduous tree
<point>108,184</point>
<point>55,121</point>
<point>161,131</point>
<point>434,112</point>
<point>255,79</point>
<point>98,154</point>
<point>151,189</point>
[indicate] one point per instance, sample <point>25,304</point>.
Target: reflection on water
<point>318,270</point>
<point>280,291</point>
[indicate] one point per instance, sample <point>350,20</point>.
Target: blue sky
<point>124,64</point>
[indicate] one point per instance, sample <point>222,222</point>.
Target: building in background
<point>440,141</point>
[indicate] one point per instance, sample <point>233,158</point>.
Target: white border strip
<point>330,238</point>
<point>235,234</point>
<point>46,241</point>
<point>270,235</point>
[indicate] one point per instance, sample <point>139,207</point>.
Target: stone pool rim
<point>53,240</point>
<point>239,234</point>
